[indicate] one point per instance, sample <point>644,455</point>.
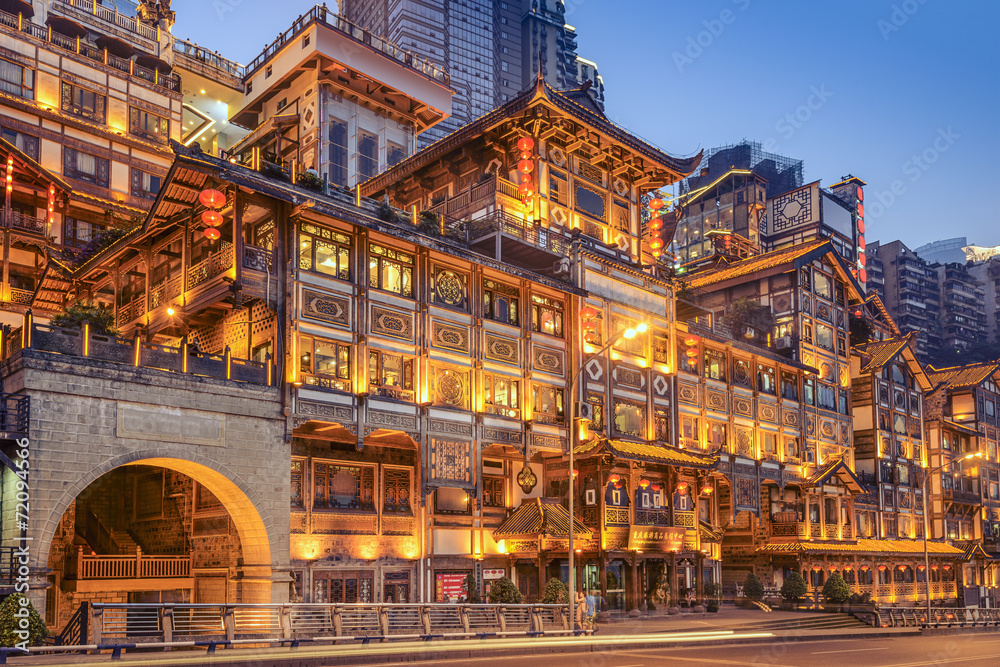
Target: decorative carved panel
<point>450,387</point>
<point>688,393</point>
<point>743,406</point>
<point>826,429</point>
<point>502,349</point>
<point>810,425</point>
<point>628,376</point>
<point>449,336</point>
<point>450,461</point>
<point>790,417</point>
<point>547,360</point>
<point>337,413</point>
<point>768,412</point>
<point>744,442</point>
<point>332,309</point>
<point>746,496</point>
<point>661,386</point>
<point>393,420</point>
<point>503,436</point>
<point>444,426</point>
<point>392,323</point>
<point>715,400</point>
<point>549,441</point>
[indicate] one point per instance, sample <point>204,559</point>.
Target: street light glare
<point>641,328</point>
<point>629,333</point>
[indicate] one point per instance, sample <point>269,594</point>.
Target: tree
<point>9,622</point>
<point>836,589</point>
<point>753,589</point>
<point>101,320</point>
<point>471,590</point>
<point>794,587</point>
<point>749,320</point>
<point>503,591</point>
<point>555,592</point>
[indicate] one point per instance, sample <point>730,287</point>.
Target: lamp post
<point>927,533</point>
<point>574,436</point>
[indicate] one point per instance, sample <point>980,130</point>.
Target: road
<point>972,650</point>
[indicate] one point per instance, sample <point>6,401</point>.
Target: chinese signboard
<point>450,586</point>
<point>655,538</point>
<point>493,574</point>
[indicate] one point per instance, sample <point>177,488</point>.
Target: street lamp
<point>927,533</point>
<point>575,434</point>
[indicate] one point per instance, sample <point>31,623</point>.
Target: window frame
<point>27,81</point>
<point>541,306</point>
<point>380,258</point>
<point>321,472</point>
<point>138,125</point>
<point>340,243</point>
<point>341,379</point>
<point>74,99</point>
<point>404,391</point>
<point>512,408</point>
<point>558,400</point>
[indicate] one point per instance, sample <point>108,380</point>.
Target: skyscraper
<point>491,50</point>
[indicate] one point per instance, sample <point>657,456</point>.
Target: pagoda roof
<point>962,377</point>
<point>529,104</point>
<point>544,517</point>
<point>842,471</point>
<point>880,353</point>
<point>640,451</point>
<point>863,547</point>
<point>28,167</point>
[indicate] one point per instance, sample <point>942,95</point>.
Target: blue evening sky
<point>901,93</point>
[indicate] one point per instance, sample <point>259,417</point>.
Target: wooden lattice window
<point>325,251</point>
<point>296,499</point>
<point>83,102</point>
<point>339,486</point>
<point>396,490</point>
<point>500,302</point>
<point>390,270</point>
<point>148,125</point>
<point>493,495</point>
<point>547,315</point>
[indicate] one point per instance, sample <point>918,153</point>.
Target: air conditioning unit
<point>783,343</point>
<point>585,410</point>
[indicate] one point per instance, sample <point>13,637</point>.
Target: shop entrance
<point>345,586</point>
<point>396,587</point>
<point>615,579</point>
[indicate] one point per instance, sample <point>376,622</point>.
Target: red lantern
<point>656,204</point>
<point>655,487</point>
<point>655,243</point>
<point>861,242</point>
<point>934,567</point>
<point>527,189</point>
<point>589,325</point>
<point>614,478</point>
<point>643,483</point>
<point>902,568</point>
<point>588,312</point>
<point>882,568</point>
<point>526,178</point>
<point>834,568</point>
<point>857,313</point>
<point>691,341</point>
<point>947,567</point>
<point>861,210</point>
<point>861,193</point>
<point>682,487</point>
<point>527,202</point>
<point>590,337</point>
<point>921,567</point>
<point>525,143</point>
<point>865,567</point>
<point>862,259</point>
<point>691,352</point>
<point>212,233</point>
<point>656,253</point>
<point>525,166</point>
<point>707,490</point>
<point>861,225</point>
<point>210,198</point>
<point>656,223</point>
<point>817,568</point>
<point>863,276</point>
<point>211,218</point>
<point>526,155</point>
<point>618,485</point>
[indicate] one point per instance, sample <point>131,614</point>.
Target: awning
<point>16,7</point>
<point>152,62</point>
<point>540,516</point>
<point>65,26</point>
<point>843,472</point>
<point>863,548</point>
<point>115,46</point>
<point>638,451</point>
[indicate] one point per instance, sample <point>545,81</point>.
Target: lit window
<point>547,316</point>
<point>390,270</point>
<point>324,251</point>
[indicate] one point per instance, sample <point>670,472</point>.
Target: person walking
<point>591,601</point>
<point>581,610</point>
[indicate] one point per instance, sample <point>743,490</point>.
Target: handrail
<point>19,23</point>
<point>339,23</point>
<point>203,55</point>
<point>111,15</point>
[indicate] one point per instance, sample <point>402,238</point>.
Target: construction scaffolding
<point>782,173</point>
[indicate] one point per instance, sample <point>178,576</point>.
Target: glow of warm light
<point>502,546</point>
<point>641,328</point>
<point>170,311</point>
<point>629,333</point>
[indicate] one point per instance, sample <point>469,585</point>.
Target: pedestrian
<point>581,609</point>
<point>591,615</point>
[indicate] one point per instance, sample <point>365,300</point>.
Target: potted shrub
<point>836,592</point>
<point>101,320</point>
<point>312,180</point>
<point>503,591</point>
<point>792,590</point>
<point>386,212</point>
<point>713,595</point>
<point>753,589</point>
<point>555,592</point>
<point>429,222</point>
<point>10,623</point>
<point>471,590</point>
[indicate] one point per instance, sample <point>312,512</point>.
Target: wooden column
<point>699,577</point>
<point>635,582</point>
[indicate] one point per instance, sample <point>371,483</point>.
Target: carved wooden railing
<point>134,566</point>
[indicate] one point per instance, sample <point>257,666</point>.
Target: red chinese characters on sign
<point>450,586</point>
<point>493,574</point>
<point>654,538</point>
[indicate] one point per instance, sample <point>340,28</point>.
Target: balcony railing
<point>25,222</point>
<point>966,497</point>
<point>477,197</point>
<point>135,352</point>
<point>332,20</point>
<point>111,15</point>
<point>652,517</point>
<point>82,48</point>
<point>209,58</point>
<point>133,566</point>
<point>504,223</point>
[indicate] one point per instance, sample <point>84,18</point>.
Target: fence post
<point>383,621</point>
<point>536,618</point>
<point>463,615</point>
<point>229,622</point>
<point>167,623</point>
<point>425,618</point>
<point>285,618</point>
<point>84,622</point>
<point>502,618</point>
<point>338,621</point>
<point>95,624</point>
<point>229,363</point>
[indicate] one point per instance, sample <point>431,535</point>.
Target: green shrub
<point>503,591</point>
<point>10,623</point>
<point>102,320</point>
<point>753,589</point>
<point>713,591</point>
<point>555,592</point>
<point>429,222</point>
<point>471,590</point>
<point>836,589</point>
<point>311,180</point>
<point>794,587</point>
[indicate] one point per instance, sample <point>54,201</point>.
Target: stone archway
<point>248,511</point>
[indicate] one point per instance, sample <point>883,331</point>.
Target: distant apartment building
<point>491,50</point>
<point>963,307</point>
<point>987,273</point>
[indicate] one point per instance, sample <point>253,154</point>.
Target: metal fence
<point>940,617</point>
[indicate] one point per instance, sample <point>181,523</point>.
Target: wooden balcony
<point>23,222</point>
<point>496,192</point>
<point>98,572</point>
<point>511,239</point>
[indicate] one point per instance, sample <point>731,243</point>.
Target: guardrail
<point>118,627</point>
<point>940,617</point>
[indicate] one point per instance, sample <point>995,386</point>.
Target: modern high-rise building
<point>491,50</point>
<point>944,251</point>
